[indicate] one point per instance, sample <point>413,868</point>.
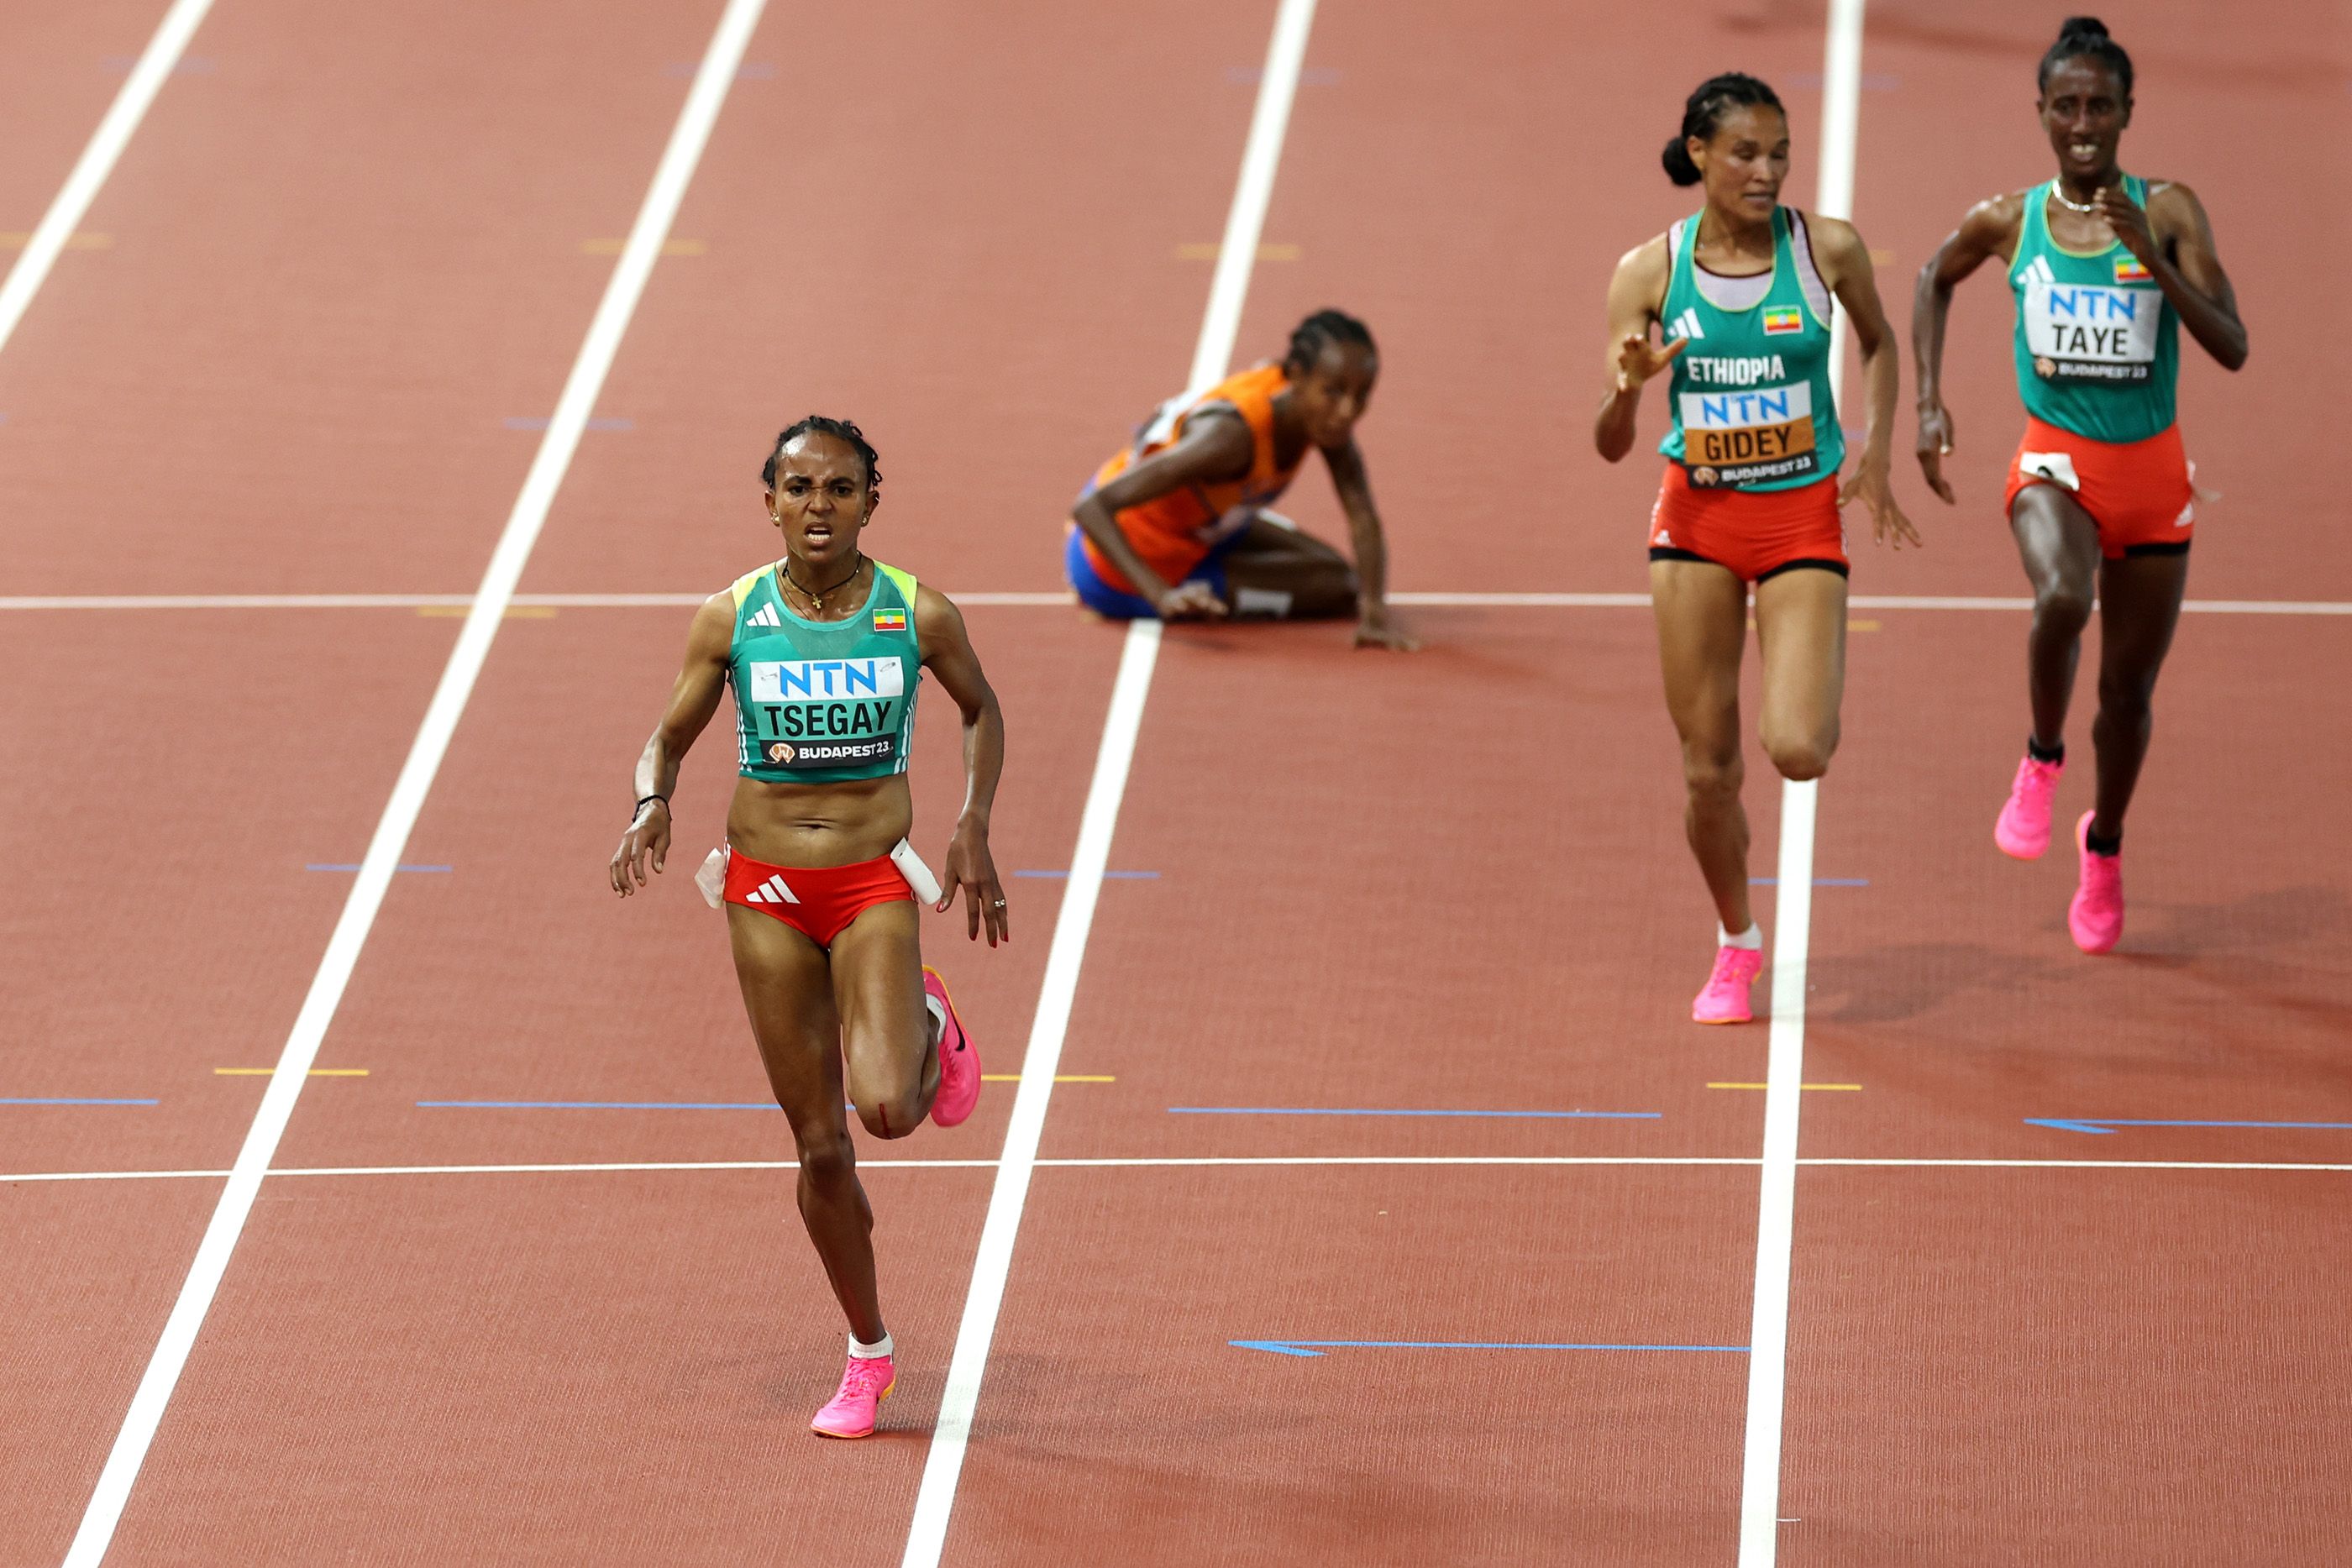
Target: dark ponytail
<point>2085,39</point>
<point>1705,109</point>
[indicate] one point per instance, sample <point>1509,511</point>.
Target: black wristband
<point>642,800</point>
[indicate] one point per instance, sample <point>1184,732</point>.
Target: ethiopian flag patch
<point>1780,318</point>
<point>890,621</point>
<point>2131,269</point>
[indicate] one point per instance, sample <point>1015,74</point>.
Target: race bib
<point>825,713</point>
<point>1748,437</point>
<point>2088,332</point>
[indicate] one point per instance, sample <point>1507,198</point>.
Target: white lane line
<point>1212,354</point>
<point>1776,1207</point>
<point>1200,1161</point>
<point>1061,599</point>
<point>72,202</point>
<point>581,390</point>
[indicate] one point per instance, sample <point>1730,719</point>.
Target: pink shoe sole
<point>1724,998</point>
<point>959,1060</point>
<point>849,1414</point>
<point>2023,830</point>
<point>2095,917</point>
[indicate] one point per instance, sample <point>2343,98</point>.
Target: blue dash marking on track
<point>1108,876</point>
<point>598,1104</point>
<point>322,865</point>
<point>1818,882</point>
<point>1324,1110</point>
<point>2103,1125</point>
<point>1316,1347</point>
<point>70,1100</point>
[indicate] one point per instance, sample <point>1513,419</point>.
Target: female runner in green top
<point>823,650</point>
<point>1742,295</point>
<point>2107,268</point>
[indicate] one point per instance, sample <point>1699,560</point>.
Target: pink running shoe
<point>959,1061</point>
<point>2023,828</point>
<point>864,1383</point>
<point>1725,999</point>
<point>2096,916</point>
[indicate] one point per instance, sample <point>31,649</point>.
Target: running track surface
<point>347,256</point>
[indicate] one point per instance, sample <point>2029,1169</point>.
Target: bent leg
<point>885,1030</point>
<point>1702,616</point>
<point>1800,624</point>
<point>1279,571</point>
<point>2059,544</point>
<point>2139,607</point>
<point>788,993</point>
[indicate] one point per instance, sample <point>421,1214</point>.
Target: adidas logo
<point>772,891</point>
<point>764,616</point>
<point>2038,270</point>
<point>1686,325</point>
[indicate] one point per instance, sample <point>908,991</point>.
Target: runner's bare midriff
<point>820,825</point>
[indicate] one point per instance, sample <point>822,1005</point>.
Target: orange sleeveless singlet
<point>1174,533</point>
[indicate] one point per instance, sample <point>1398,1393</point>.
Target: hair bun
<point>2082,27</point>
<point>1677,160</point>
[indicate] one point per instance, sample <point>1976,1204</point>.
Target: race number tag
<point>825,713</point>
<point>2088,332</point>
<point>1744,437</point>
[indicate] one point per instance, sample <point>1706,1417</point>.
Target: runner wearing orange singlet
<point>1177,524</point>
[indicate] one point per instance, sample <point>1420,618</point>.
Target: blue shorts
<point>1120,605</point>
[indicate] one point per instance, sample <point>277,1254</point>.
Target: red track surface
<point>346,251</point>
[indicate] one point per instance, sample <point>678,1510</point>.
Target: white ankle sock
<point>1752,939</point>
<point>860,1350</point>
<point>939,1018</point>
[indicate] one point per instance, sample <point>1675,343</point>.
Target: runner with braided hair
<point>1177,524</point>
<point>823,649</point>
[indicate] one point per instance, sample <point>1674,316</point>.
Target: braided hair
<point>1325,329</point>
<point>818,424</point>
<point>2086,37</point>
<point>1705,109</point>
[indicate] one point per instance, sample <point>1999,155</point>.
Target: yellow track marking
<point>266,1071</point>
<point>1058,1078</point>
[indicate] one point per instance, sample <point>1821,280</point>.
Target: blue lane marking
<point>1324,1110</point>
<point>1108,876</point>
<point>1818,882</point>
<point>2103,1125</point>
<point>337,865</point>
<point>526,422</point>
<point>598,1104</point>
<point>70,1100</point>
<point>1316,1347</point>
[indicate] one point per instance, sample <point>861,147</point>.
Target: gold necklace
<point>816,600</point>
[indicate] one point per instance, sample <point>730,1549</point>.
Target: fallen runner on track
<point>1741,292</point>
<point>823,648</point>
<point>2105,266</point>
<point>1177,524</point>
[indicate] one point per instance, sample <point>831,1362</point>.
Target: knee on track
<point>827,1159</point>
<point>1713,777</point>
<point>2059,607</point>
<point>1800,758</point>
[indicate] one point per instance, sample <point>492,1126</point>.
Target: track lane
<point>167,375</point>
<point>1352,936</point>
<point>436,968</point>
